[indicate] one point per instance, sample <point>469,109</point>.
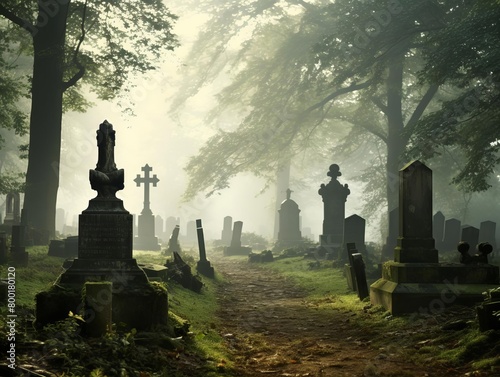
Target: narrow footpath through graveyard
<point>273,330</point>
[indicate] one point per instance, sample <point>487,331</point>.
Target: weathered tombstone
<point>415,281</point>
<point>203,266</point>
<point>12,209</point>
<point>173,242</point>
<point>227,231</point>
<point>170,223</point>
<point>105,254</point>
<point>159,231</point>
<point>359,272</point>
<point>392,236</point>
<point>487,230</point>
<point>334,196</point>
<point>438,229</point>
<point>354,232</point>
<point>289,222</point>
<point>235,248</point>
<point>3,248</point>
<point>470,235</point>
<point>452,234</point>
<point>146,239</point>
<point>180,271</point>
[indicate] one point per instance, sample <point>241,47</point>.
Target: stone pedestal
<point>415,282</point>
<point>146,239</point>
<point>105,255</point>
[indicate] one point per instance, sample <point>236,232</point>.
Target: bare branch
<point>422,105</point>
<point>81,69</point>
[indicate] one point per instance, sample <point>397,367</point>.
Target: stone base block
<point>404,298</point>
<point>204,268</point>
<point>124,272</point>
<point>128,306</point>
<point>237,250</point>
<point>430,273</point>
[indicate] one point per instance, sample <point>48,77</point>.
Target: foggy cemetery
<point>402,280</point>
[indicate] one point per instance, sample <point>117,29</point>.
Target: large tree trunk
<point>395,139</point>
<point>42,179</point>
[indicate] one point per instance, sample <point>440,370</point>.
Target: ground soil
<point>273,330</point>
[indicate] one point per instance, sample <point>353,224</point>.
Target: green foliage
<point>254,240</point>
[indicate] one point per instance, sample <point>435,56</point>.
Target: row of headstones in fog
<point>447,233</point>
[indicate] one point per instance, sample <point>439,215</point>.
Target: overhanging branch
<point>23,23</point>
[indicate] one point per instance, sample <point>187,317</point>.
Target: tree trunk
<point>42,178</point>
<point>395,142</point>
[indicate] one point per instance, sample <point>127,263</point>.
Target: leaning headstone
<point>438,229</point>
<point>415,282</point>
<point>146,239</point>
<point>180,271</point>
<point>227,231</point>
<point>470,235</point>
<point>354,232</point>
<point>349,267</point>
<point>359,272</point>
<point>105,254</point>
<point>452,234</point>
<point>235,248</point>
<point>289,223</point>
<point>173,242</point>
<point>334,196</point>
<point>203,266</point>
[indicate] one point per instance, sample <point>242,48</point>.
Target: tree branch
<point>81,69</point>
<point>337,93</point>
<point>422,105</point>
<point>379,104</point>
<point>23,23</point>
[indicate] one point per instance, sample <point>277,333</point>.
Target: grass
<point>203,345</point>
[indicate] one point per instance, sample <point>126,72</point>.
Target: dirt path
<point>274,331</point>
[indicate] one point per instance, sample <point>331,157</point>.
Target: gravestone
<point>452,234</point>
<point>159,231</point>
<point>170,224</point>
<point>12,209</point>
<point>203,266</point>
<point>289,222</point>
<point>487,230</point>
<point>470,235</point>
<point>392,236</point>
<point>415,282</point>
<point>438,229</point>
<point>359,272</point>
<point>334,196</point>
<point>173,242</point>
<point>105,254</point>
<point>354,232</point>
<point>146,239</point>
<point>227,231</point>
<point>235,248</point>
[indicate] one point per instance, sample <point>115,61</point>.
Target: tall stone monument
<point>415,281</point>
<point>105,254</point>
<point>334,197</point>
<point>146,239</point>
<point>227,231</point>
<point>203,266</point>
<point>289,222</point>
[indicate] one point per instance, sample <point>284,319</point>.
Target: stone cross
<point>146,180</point>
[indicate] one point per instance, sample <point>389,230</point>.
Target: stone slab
<point>431,273</point>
